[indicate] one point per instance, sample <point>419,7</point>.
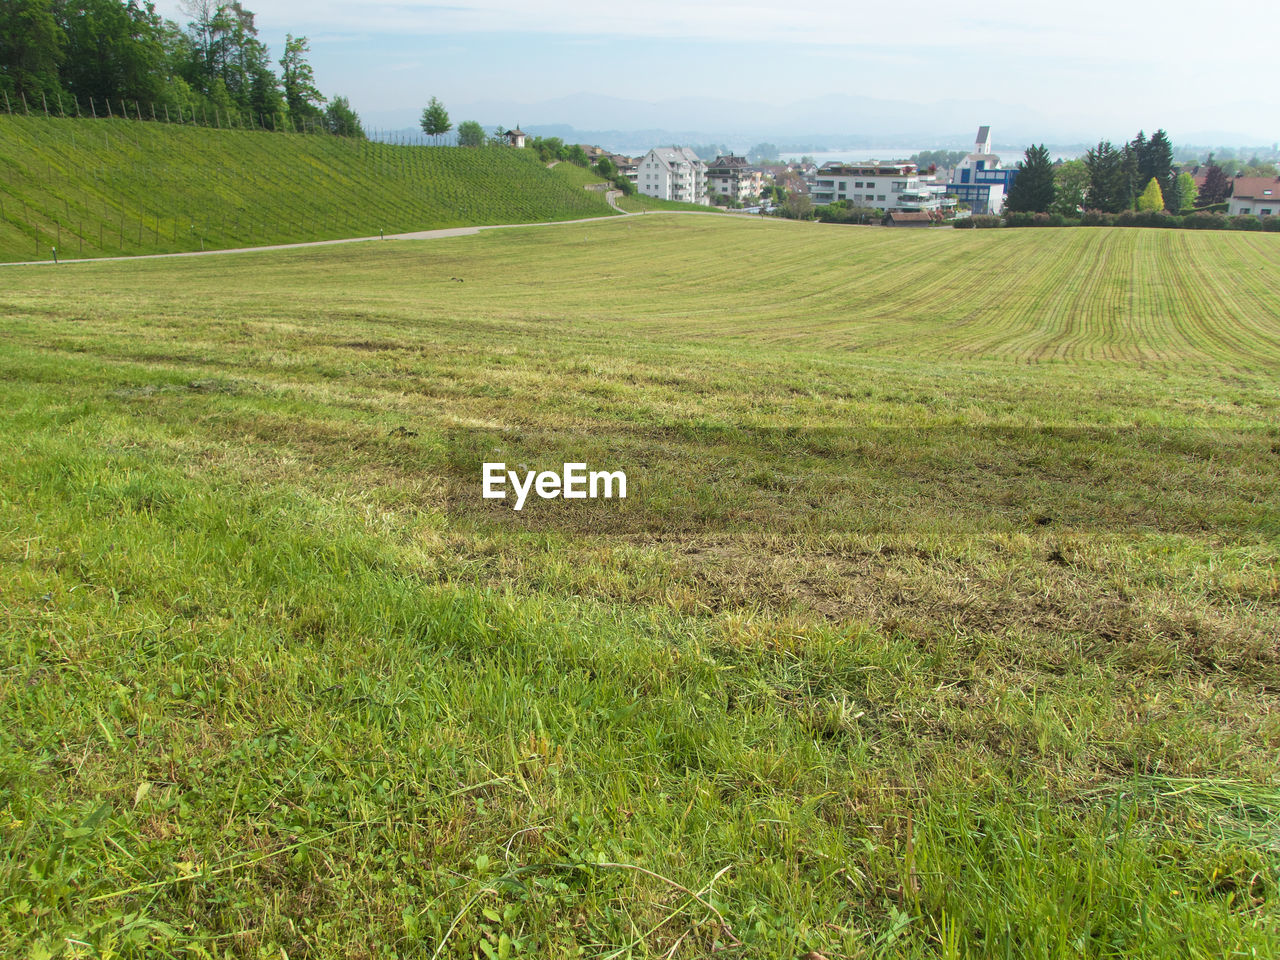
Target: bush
<point>1271,224</point>
<point>842,212</point>
<point>963,223</point>
<point>986,223</point>
<point>1156,218</point>
<point>1245,222</point>
<point>1097,218</point>
<point>1204,221</point>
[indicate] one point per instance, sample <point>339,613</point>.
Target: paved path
<point>416,235</point>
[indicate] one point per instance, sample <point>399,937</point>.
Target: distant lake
<point>858,155</point>
<point>862,154</point>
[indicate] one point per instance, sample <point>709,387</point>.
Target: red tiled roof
<point>1258,188</point>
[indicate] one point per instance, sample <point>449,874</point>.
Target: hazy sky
<point>1109,66</point>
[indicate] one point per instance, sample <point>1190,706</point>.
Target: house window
<point>1265,212</point>
<point>881,197</point>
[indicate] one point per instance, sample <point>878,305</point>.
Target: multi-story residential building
<point>1259,196</point>
<point>673,173</point>
<point>885,186</point>
<point>979,180</point>
<point>732,176</point>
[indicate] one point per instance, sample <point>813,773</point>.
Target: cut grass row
<point>916,647</point>
<point>99,187</point>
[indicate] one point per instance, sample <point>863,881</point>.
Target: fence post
<point>7,109</point>
<point>109,115</point>
<point>44,100</point>
<point>93,109</point>
<point>27,111</point>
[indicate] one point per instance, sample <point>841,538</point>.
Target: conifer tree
<point>1152,197</point>
<point>1032,190</point>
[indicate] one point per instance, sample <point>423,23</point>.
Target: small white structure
<point>515,138</point>
<point>673,173</point>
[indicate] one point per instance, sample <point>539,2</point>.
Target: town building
<point>673,173</point>
<point>731,176</point>
<point>885,186</point>
<point>1259,196</point>
<point>979,180</point>
<point>628,167</point>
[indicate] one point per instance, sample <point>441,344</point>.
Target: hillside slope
<point>111,187</point>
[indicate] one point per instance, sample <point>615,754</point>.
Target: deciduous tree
<point>31,48</point>
<point>1186,191</point>
<point>1070,185</point>
<point>301,97</point>
<point>1215,188</point>
<point>340,119</point>
<point>435,119</point>
<point>470,134</point>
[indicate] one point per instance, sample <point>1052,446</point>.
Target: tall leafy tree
<point>1032,190</point>
<point>114,49</point>
<point>31,48</point>
<point>435,120</point>
<point>470,134</point>
<point>301,97</point>
<point>1186,191</point>
<point>1070,185</point>
<point>339,118</point>
<point>1216,186</point>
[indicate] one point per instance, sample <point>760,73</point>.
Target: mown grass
<point>639,203</point>
<point>120,187</point>
<point>941,621</point>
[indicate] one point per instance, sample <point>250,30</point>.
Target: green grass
<point>941,622</point>
<point>118,187</point>
<point>639,203</point>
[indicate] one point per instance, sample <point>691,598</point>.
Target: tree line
<point>107,57</point>
<point>1139,175</point>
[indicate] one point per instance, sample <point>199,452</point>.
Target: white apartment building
<point>886,186</point>
<point>673,173</point>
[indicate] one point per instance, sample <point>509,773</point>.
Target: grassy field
<point>941,619</point>
<point>119,187</point>
<point>639,203</point>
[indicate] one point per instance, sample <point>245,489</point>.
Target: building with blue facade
<point>979,180</point>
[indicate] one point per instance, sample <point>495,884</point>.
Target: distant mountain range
<point>830,122</point>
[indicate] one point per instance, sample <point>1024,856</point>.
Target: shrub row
<point>1127,218</point>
